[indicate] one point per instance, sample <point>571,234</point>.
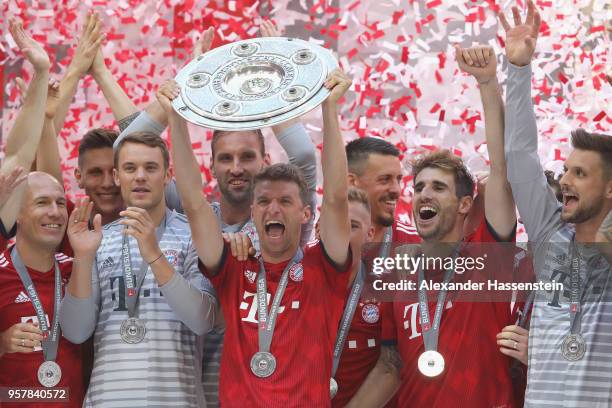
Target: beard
<point>583,214</point>
<point>236,197</point>
<point>444,226</point>
<point>385,220</point>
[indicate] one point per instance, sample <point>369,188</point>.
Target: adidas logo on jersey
<point>108,262</point>
<point>250,275</point>
<point>22,298</point>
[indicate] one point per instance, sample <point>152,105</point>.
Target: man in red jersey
<point>278,356</point>
<point>375,168</point>
<point>434,350</point>
<point>33,352</point>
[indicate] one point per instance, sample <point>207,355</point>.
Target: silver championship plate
<point>254,83</point>
<point>132,330</point>
<point>49,374</point>
<point>263,364</point>
<point>573,347</point>
<point>431,363</point>
<point>333,387</point>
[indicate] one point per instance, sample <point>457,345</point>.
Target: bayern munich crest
<point>296,273</point>
<point>172,256</point>
<point>370,313</point>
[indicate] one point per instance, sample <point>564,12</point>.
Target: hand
<point>514,342</point>
<point>521,39</point>
<point>479,61</point>
<point>32,50</point>
<point>204,42</point>
<point>53,94</point>
<point>338,82</point>
<point>241,245</point>
<point>8,183</point>
<point>269,29</point>
<point>138,224</point>
<point>166,93</point>
<point>98,66</point>
<point>20,338</point>
<point>83,240</point>
<point>88,45</point>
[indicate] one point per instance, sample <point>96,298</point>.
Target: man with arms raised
<point>236,157</point>
<point>33,352</point>
<point>443,199</point>
<point>284,355</point>
<point>146,325</point>
<point>569,339</point>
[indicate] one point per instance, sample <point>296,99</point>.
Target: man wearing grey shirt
<point>137,285</point>
<point>570,341</point>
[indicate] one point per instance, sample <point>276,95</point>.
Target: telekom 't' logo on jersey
<point>411,318</point>
<point>249,304</point>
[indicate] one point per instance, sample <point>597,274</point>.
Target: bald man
<point>32,277</point>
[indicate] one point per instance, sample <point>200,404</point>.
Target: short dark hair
<point>96,139</point>
<point>595,142</point>
<point>554,184</point>
<point>218,134</point>
<point>445,160</point>
<point>356,195</point>
<point>284,172</point>
<point>359,150</point>
<point>147,139</point>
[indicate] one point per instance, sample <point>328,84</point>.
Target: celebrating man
<point>569,340</point>
<point>430,359</point>
<point>33,352</point>
<point>278,357</point>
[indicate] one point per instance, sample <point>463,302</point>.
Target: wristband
<point>153,261</point>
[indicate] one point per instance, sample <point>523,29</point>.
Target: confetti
<point>407,88</point>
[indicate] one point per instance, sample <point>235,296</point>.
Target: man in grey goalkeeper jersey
<point>553,380</point>
<point>174,304</point>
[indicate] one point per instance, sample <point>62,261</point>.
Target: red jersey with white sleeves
<point>362,346</point>
<point>21,369</point>
<point>302,343</point>
<point>476,373</point>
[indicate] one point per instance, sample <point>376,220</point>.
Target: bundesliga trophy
<point>254,83</point>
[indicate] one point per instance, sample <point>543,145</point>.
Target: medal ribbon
<point>131,286</point>
<point>50,343</point>
<point>267,322</point>
<point>575,308</point>
<point>351,306</point>
<point>347,316</point>
<point>431,332</point>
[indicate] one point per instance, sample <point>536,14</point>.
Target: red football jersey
<point>306,328</point>
<point>476,373</point>
<point>362,346</point>
<point>20,369</point>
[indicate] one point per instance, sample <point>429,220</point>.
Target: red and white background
<point>407,88</point>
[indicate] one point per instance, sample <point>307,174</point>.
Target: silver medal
<point>333,387</point>
<point>263,364</point>
<point>133,330</point>
<point>431,363</point>
<point>49,374</point>
<point>573,347</point>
